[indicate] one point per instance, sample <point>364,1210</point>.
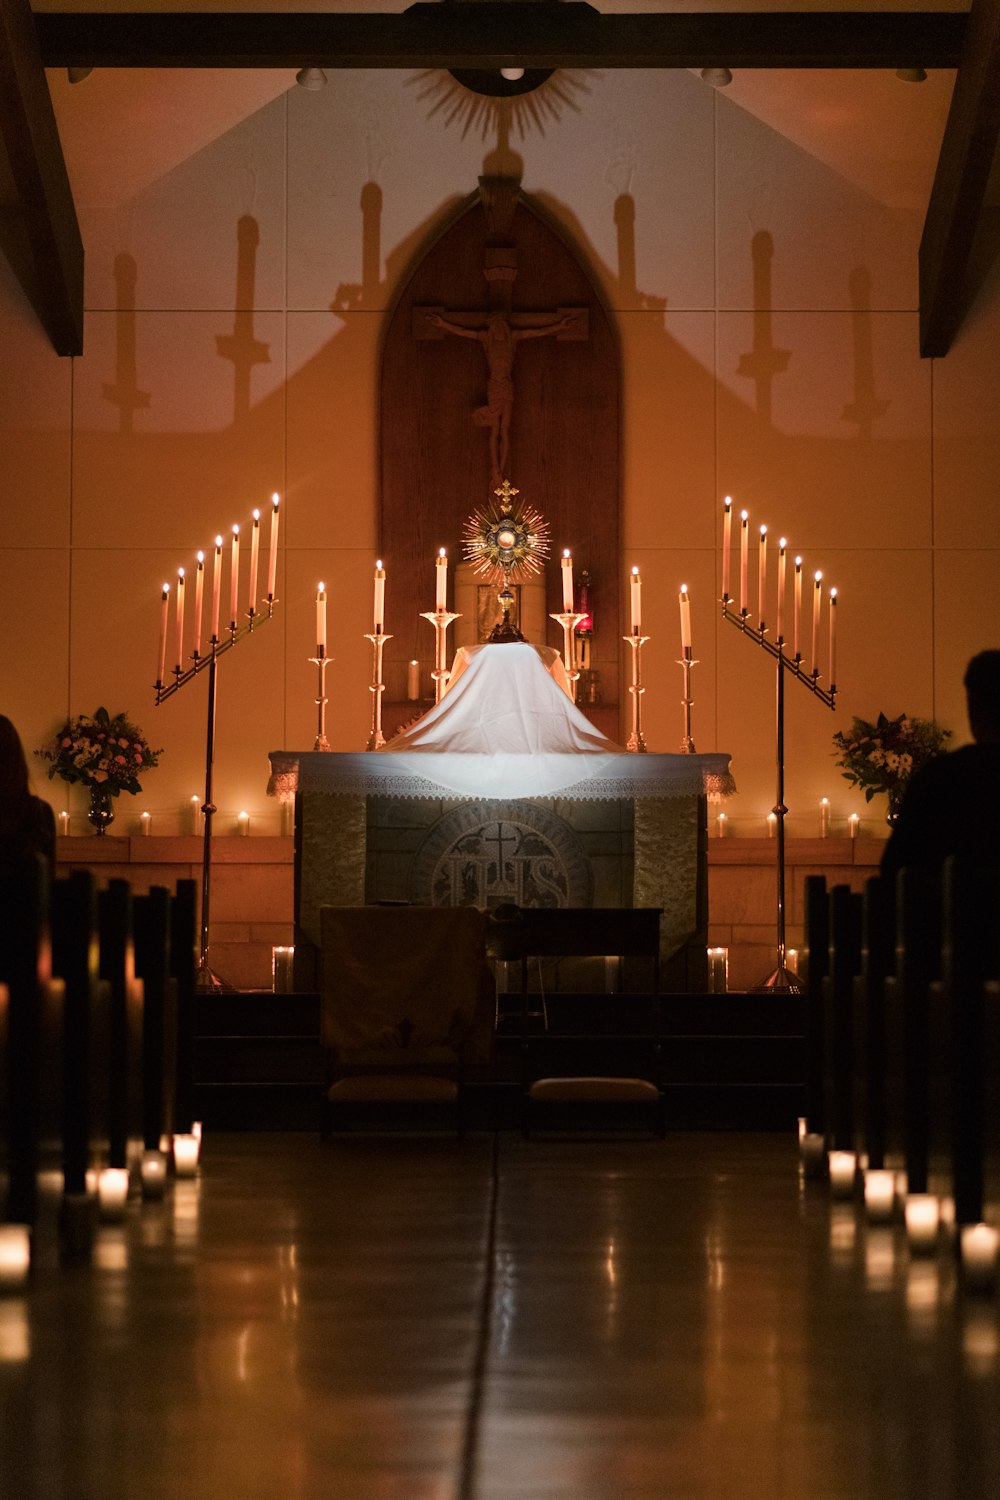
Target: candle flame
<point>763,531</point>
<point>798,562</point>
<point>256,517</point>
<point>321,587</point>
<point>441,553</point>
<point>782,543</point>
<point>833,596</point>
<point>378,562</point>
<point>566,552</point>
<point>274,500</point>
<point>218,544</point>
<point>744,516</point>
<point>166,590</point>
<point>684,588</point>
<point>818,575</point>
<point>635,572</point>
<point>824,802</point>
<point>180,573</point>
<point>236,531</point>
<point>201,559</point>
<point>728,501</point>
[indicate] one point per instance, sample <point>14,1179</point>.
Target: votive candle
<point>379,611</point>
<point>199,600</point>
<point>636,600</point>
<point>720,824</point>
<point>321,619</point>
<point>146,823</point>
<point>234,579</point>
<point>567,581</point>
<point>413,681</point>
<point>441,581</point>
<point>254,559</point>
<point>243,824</point>
<point>843,1167</point>
<point>880,1195</point>
<point>727,541</point>
<point>685,606</point>
<point>272,560</point>
<point>979,1243</point>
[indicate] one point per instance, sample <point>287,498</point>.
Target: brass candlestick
<point>377,688</point>
<point>321,661</point>
<point>569,621</point>
<point>686,663</point>
<point>440,619</point>
<point>635,740</point>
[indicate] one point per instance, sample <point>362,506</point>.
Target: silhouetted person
<point>952,805</point>
<point>27,824</point>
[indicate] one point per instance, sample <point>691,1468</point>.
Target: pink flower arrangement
<point>100,751</point>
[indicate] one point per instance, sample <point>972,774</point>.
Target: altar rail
<point>252,893</point>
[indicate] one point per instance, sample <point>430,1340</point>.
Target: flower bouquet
<point>881,757</point>
<point>104,753</point>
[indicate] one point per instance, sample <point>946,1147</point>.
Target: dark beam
<point>963,169</point>
<point>494,33</point>
<point>45,202</point>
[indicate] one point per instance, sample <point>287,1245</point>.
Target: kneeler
<point>407,1011</point>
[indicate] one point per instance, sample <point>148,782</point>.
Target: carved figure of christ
<point>500,335</point>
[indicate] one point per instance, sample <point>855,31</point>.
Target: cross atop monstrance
<point>498,328</point>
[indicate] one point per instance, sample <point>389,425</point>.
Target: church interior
<point>491,465</point>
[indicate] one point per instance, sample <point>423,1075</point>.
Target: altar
<point>504,793</point>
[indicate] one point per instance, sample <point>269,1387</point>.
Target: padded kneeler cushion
<point>393,1089</point>
<point>593,1091</point>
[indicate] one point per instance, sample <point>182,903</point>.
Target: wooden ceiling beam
<point>957,196</point>
<point>45,202</point>
<point>494,33</point>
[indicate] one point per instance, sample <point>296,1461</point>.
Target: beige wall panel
<point>331,433</point>
<point>35,408</point>
<point>966,489</point>
<point>821,454</point>
<point>821,228</point>
<point>374,129</point>
<point>34,587</point>
<point>177,243</point>
<point>669,389</point>
<point>965,591</point>
<point>349,579</point>
<point>201,454</point>
<point>662,572</point>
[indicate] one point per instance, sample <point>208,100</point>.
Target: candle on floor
<point>744,557</point>
<point>199,602</point>
<point>979,1246</point>
<point>164,612</point>
<point>812,1153</point>
<point>112,1194</point>
<point>413,681</point>
<point>636,600</point>
<point>186,1155</point>
<point>567,581</point>
<point>153,1174</point>
<point>272,561</point>
<point>145,823</point>
<point>216,588</point>
<point>379,610</point>
<point>824,817</point>
<point>441,581</point>
<point>792,959</point>
<point>243,824</point>
<point>727,539</point>
<point>254,559</point>
<point>880,1195</point>
<point>843,1167</point>
<point>15,1256</point>
<point>923,1217</point>
<point>685,606</point>
<point>321,620</point>
<point>234,582</point>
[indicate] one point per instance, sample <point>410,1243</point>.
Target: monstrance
<point>506,541</point>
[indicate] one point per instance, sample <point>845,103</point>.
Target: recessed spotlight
<point>717,78</point>
<point>311,78</point>
<point>512,74</point>
<point>77,75</point>
<point>911,75</point>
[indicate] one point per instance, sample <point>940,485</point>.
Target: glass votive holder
<point>843,1168</point>
<point>112,1194</point>
<point>979,1248</point>
<point>923,1219</point>
<point>153,1174</point>
<point>186,1150</point>
<point>15,1257</point>
<point>880,1195</point>
<point>718,971</point>
<point>282,964</point>
<point>812,1153</point>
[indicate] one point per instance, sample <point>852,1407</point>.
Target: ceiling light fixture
<point>911,75</point>
<point>311,78</point>
<point>512,74</point>
<point>717,78</point>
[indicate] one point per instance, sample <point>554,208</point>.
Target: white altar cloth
<point>505,730</point>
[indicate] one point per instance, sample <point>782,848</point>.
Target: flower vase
<point>102,810</point>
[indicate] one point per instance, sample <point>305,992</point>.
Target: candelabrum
<point>209,661</point>
<point>321,661</point>
<point>782,977</point>
<point>377,688</point>
<point>440,619</point>
<point>569,621</point>
<point>686,663</point>
<point>635,740</point>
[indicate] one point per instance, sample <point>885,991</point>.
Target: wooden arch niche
<point>500,256</point>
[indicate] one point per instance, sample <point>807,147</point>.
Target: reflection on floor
<point>410,1319</point>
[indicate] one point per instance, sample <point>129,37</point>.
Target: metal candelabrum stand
<point>635,740</point>
<point>440,619</point>
<point>321,661</point>
<point>569,621</point>
<point>782,977</point>
<point>378,639</point>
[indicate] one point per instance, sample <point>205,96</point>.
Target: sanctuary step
<point>730,1062</point>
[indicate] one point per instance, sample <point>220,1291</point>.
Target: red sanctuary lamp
<point>589,684</point>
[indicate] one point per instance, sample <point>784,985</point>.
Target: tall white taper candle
<point>379,613</point>
<point>685,604</point>
<point>744,557</point>
<point>727,542</point>
<point>234,581</point>
<point>254,558</point>
<point>272,560</point>
<point>199,600</point>
<point>321,619</point>
<point>441,580</point>
<point>636,600</point>
<point>180,617</point>
<point>165,611</point>
<point>567,581</point>
<point>217,588</point>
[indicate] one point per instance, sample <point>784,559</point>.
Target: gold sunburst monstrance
<point>506,541</point>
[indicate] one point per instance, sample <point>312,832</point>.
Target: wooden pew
<point>159,1028</point>
<point>816,963</point>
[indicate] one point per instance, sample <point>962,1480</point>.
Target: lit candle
<point>15,1256</point>
<point>272,560</point>
<point>833,638</point>
<point>186,1148</point>
<point>979,1256</point>
<point>880,1195</point>
<point>195,806</point>
<point>636,595</point>
<point>234,579</point>
<point>567,581</point>
<point>180,616</point>
<point>685,604</point>
<point>853,821</point>
<point>824,817</point>
<point>779,622</point>
<point>772,823</point>
<point>413,681</point>
<point>762,577</point>
<point>744,557</point>
<point>199,600</point>
<point>727,540</point>
<point>321,620</point>
<point>282,965</point>
<point>163,632</point>
<point>812,1153</point>
<point>720,824</point>
<point>243,824</point>
<point>153,1174</point>
<point>441,581</point>
<point>843,1171</point>
<point>216,588</point>
<point>146,823</point>
<point>923,1217</point>
<point>817,609</point>
<point>254,559</point>
<point>379,597</point>
<point>112,1194</point>
<point>797,608</point>
<point>64,823</point>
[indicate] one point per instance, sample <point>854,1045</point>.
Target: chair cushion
<point>593,1090</point>
<point>393,1088</point>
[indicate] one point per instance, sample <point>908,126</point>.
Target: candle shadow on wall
<point>241,347</point>
<point>124,391</point>
<point>765,361</point>
<point>866,407</point>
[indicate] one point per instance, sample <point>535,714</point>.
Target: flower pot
<point>102,808</point>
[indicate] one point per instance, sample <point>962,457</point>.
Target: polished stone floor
<point>413,1319</point>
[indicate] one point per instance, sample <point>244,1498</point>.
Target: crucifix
<point>498,328</point>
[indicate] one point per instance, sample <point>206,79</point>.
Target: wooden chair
<point>159,1023</point>
<point>407,1011</point>
<point>25,972</point>
<point>117,967</point>
<point>817,963</point>
<point>838,991</point>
